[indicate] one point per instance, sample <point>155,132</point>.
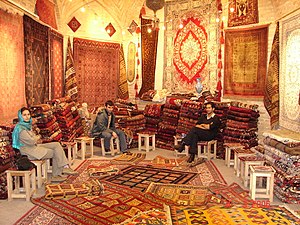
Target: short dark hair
<point>212,104</point>
<point>24,109</point>
<point>109,103</point>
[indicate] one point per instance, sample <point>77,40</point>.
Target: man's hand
<point>114,134</point>
<point>203,126</point>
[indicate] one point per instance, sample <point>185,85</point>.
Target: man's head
<point>209,107</point>
<point>109,106</point>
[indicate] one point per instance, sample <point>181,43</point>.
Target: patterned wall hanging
<point>110,30</point>
<point>56,64</point>
<point>12,68</point>
<point>190,50</point>
<point>290,74</point>
<point>74,24</point>
<point>246,61</point>
<point>245,12</point>
<point>97,70</point>
<point>132,27</point>
<point>200,29</point>
<point>131,62</point>
<point>122,82</point>
<point>46,12</point>
<point>36,62</point>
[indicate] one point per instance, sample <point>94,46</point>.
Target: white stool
<point>41,171</point>
<point>246,162</point>
<point>262,171</point>
<point>29,184</point>
<point>72,151</point>
<point>228,148</point>
<point>206,146</point>
<point>238,152</point>
<point>84,141</point>
<point>176,142</point>
<point>146,137</point>
<point>112,145</point>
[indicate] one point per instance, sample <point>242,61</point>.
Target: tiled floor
<point>11,211</point>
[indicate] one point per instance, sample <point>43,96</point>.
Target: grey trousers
<point>107,136</point>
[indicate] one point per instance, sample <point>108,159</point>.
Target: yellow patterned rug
<point>132,158</point>
<point>217,215</point>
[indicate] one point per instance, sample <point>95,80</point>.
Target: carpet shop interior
<point>159,62</point>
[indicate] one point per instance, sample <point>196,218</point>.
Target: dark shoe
<point>191,159</point>
<point>179,147</point>
<point>107,149</point>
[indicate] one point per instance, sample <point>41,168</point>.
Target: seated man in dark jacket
<point>206,129</point>
<point>104,127</point>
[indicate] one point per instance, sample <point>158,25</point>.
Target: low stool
<point>146,137</point>
<point>229,147</point>
<point>72,151</point>
<point>41,171</point>
<point>206,146</point>
<point>176,142</point>
<point>246,162</point>
<point>238,152</point>
<point>114,147</point>
<point>262,172</point>
<point>83,141</point>
<point>13,184</point>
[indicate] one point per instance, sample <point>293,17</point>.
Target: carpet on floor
<point>133,158</point>
<point>182,215</point>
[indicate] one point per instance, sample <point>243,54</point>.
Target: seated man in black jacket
<point>206,129</point>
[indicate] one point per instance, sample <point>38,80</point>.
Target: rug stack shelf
<point>152,113</point>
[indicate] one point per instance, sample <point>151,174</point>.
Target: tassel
<point>220,54</point>
<point>222,25</point>
<point>219,86</point>
<point>139,45</point>
<point>135,86</point>
<point>222,40</point>
<point>136,94</point>
<point>138,62</point>
<point>142,11</point>
<point>220,66</point>
<point>219,74</point>
<point>136,54</point>
<point>137,76</point>
<point>138,30</point>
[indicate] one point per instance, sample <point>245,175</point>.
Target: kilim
<point>180,194</point>
<point>71,79</point>
<point>56,64</point>
<point>271,97</point>
<point>131,62</point>
<point>133,158</point>
<point>122,82</point>
<point>36,61</point>
<point>149,49</point>
<point>139,177</point>
<point>115,205</point>
<point>219,215</point>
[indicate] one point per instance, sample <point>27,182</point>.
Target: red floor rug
<point>114,206</point>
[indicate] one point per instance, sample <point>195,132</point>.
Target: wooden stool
<point>29,184</point>
<point>176,142</point>
<point>112,145</point>
<point>263,172</point>
<point>246,162</point>
<point>206,146</point>
<point>84,141</point>
<point>41,171</point>
<point>238,152</point>
<point>72,151</point>
<point>146,137</point>
<point>228,148</point>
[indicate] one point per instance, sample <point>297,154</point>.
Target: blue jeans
<point>107,136</point>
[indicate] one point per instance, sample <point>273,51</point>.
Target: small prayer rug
<point>164,162</point>
<point>217,215</point>
<point>133,158</point>
<point>46,12</point>
<point>152,217</point>
<point>139,177</point>
<point>131,62</point>
<point>117,204</point>
<point>207,173</point>
<point>180,194</point>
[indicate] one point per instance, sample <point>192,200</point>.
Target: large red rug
<point>46,12</point>
<point>246,61</point>
<point>12,66</point>
<point>97,70</point>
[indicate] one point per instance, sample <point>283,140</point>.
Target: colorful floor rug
<point>180,194</point>
<point>114,206</point>
<point>182,215</point>
<point>152,217</point>
<point>207,173</point>
<point>165,162</point>
<point>139,177</point>
<point>133,158</point>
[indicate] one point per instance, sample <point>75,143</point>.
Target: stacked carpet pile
<point>46,122</point>
<point>241,125</point>
<point>152,113</point>
<point>7,155</point>
<point>284,155</point>
<point>167,126</point>
<point>69,120</point>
